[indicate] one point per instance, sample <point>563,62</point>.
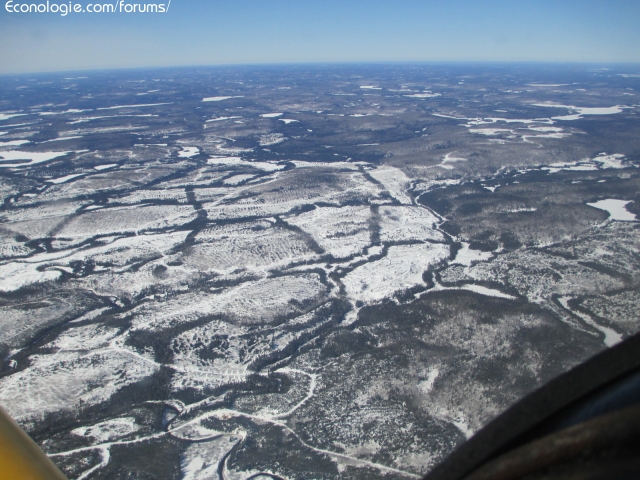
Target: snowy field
<point>305,275</point>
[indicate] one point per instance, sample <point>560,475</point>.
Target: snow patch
<point>467,256</point>
<point>400,269</point>
<point>489,292</point>
<point>188,152</point>
<point>616,209</point>
<point>220,98</point>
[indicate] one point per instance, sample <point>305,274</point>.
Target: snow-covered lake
<point>616,208</point>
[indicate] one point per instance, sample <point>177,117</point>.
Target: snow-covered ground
<point>247,285</point>
<point>400,269</point>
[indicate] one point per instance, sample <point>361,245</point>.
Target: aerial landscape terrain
<point>306,272</point>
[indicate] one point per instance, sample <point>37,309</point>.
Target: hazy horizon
<point>452,63</point>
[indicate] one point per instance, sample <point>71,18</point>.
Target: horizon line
<point>335,63</point>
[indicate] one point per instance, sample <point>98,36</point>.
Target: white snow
<point>491,131</point>
<point>6,116</point>
<point>13,143</point>
<point>394,181</point>
<point>400,269</point>
<point>134,106</point>
<point>611,337</point>
<point>220,98</point>
<point>200,461</point>
<point>467,256</point>
<point>28,158</point>
<point>575,116</point>
<point>104,167</point>
<point>340,231</point>
<point>519,210</point>
<point>271,139</point>
<point>62,381</point>
<point>616,209</point>
<point>71,110</point>
<point>247,304</point>
<point>188,152</point>
<point>109,430</point>
<point>426,385</point>
<point>236,179</point>
<point>287,120</point>
<point>265,166</point>
<point>370,87</point>
<point>408,223</point>
<point>14,276</point>
<point>219,119</point>
<point>579,111</point>
<point>126,219</point>
<point>89,119</point>
<point>489,292</point>
<point>578,166</point>
<point>545,129</point>
<point>271,115</point>
<point>65,178</point>
<point>59,139</point>
<point>610,161</point>
<point>423,95</point>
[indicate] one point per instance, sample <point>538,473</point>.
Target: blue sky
<point>210,32</point>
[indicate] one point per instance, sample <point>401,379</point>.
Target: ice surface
<point>105,167</point>
<point>583,110</point>
<point>424,95</point>
<point>231,161</point>
<point>611,337</point>
<point>64,179</point>
<point>7,116</point>
<point>27,158</point>
<point>219,98</point>
<point>219,119</point>
<point>116,107</point>
<point>615,208</point>
<point>14,143</point>
<point>489,292</point>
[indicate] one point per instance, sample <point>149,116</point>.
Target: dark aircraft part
<point>585,424</point>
